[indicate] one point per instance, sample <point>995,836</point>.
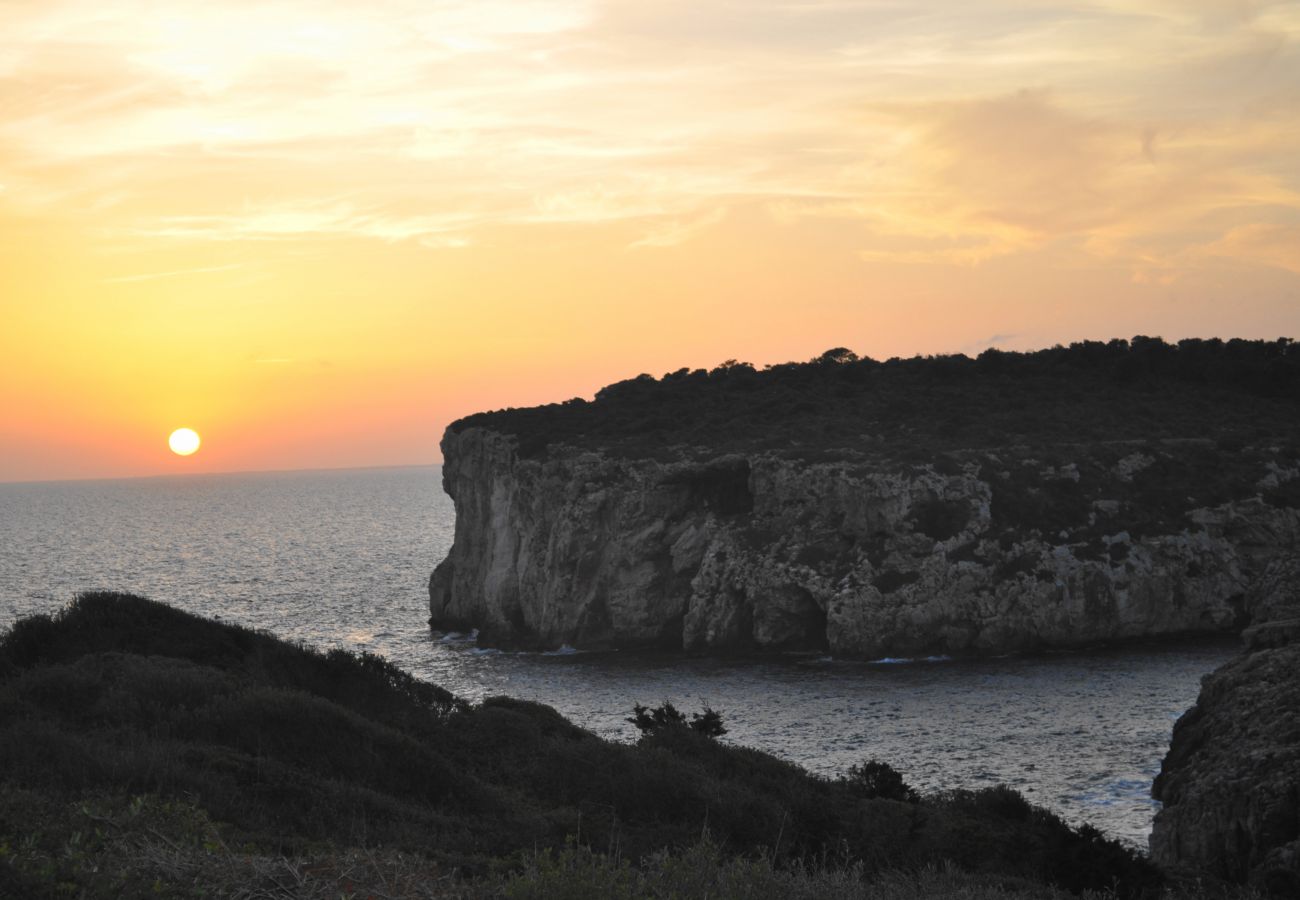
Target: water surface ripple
<point>342,558</point>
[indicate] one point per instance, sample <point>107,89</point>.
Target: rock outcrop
<point>863,556</point>
<point>1230,785</point>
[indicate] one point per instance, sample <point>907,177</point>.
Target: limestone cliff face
<point>1230,784</point>
<point>971,553</point>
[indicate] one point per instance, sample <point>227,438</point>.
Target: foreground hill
<point>1015,501</point>
<point>148,752</point>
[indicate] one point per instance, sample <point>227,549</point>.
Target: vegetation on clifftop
<point>1236,392</point>
<point>148,752</point>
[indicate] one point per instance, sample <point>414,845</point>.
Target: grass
<point>705,871</point>
<point>146,846</point>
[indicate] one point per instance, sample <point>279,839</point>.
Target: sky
<point>318,232</point>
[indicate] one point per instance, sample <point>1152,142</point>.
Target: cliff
<point>1230,785</point>
<point>855,517</point>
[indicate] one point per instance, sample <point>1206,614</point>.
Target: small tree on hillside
<point>838,355</point>
<point>648,721</point>
<point>876,780</point>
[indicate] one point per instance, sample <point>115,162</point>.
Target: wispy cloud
<point>174,273</point>
<point>1264,243</point>
<point>677,231</point>
<point>993,340</point>
<point>309,219</point>
<point>950,134</point>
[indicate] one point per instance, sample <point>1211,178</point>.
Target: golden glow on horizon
<point>328,229</point>
<point>183,441</point>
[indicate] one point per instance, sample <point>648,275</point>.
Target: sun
<point>183,441</point>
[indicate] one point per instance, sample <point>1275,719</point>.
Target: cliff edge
<point>949,505</point>
<point>1230,784</point>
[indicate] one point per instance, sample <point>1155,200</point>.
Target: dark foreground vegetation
<point>1236,391</point>
<point>148,752</point>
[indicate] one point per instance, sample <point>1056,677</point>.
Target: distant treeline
<point>1141,389</point>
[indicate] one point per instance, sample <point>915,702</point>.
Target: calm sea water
<point>342,558</point>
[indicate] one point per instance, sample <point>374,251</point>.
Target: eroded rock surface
<point>1230,784</point>
<point>969,552</point>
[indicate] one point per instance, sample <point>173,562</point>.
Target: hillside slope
<point>290,751</point>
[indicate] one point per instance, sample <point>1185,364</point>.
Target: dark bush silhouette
<point>874,779</point>
<point>915,409</point>
<point>290,749</point>
<point>707,723</point>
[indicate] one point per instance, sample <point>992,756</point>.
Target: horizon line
<point>224,472</point>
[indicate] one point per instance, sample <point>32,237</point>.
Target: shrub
<point>292,750</point>
<point>877,780</point>
<point>648,721</point>
<point>925,406</point>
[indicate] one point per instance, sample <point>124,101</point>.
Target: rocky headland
<point>945,505</point>
<point>1230,785</point>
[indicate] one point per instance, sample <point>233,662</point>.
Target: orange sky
<point>317,232</point>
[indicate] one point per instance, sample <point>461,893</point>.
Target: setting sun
<point>916,380</point>
<point>194,226</point>
<point>183,441</point>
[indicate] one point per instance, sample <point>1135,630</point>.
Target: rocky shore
<point>1230,785</point>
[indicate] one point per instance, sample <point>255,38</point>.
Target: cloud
<point>174,273</point>
<point>1268,244</point>
<point>984,178</point>
<point>942,134</point>
<point>678,231</point>
<point>993,340</point>
<point>293,221</point>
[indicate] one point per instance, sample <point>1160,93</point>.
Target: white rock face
<point>859,558</point>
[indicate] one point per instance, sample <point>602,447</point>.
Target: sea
<point>341,558</point>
